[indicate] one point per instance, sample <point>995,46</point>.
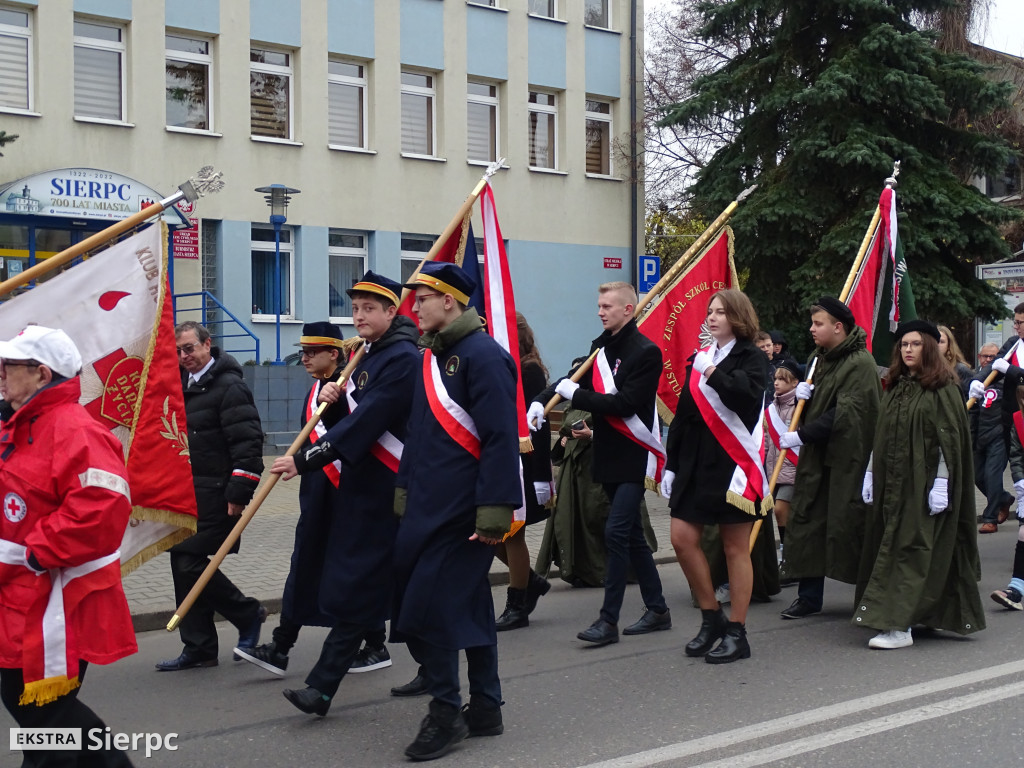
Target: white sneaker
<point>895,638</point>
<point>722,594</point>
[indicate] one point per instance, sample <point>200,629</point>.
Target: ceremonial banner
<point>675,321</point>
<point>451,252</point>
<point>881,289</point>
<point>116,307</point>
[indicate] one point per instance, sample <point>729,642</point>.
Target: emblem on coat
<point>363,378</point>
<point>15,508</point>
<point>451,366</point>
<point>618,362</point>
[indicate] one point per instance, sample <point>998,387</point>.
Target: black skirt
<point>722,514</point>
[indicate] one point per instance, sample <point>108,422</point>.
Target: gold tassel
<point>650,484</point>
<point>551,503</point>
<point>525,445</point>
<point>44,691</point>
<point>516,525</point>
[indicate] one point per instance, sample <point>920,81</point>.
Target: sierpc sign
<point>87,193</point>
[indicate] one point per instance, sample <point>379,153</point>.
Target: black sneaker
<point>369,659</point>
<point>265,656</point>
<point>441,730</point>
<point>483,719</point>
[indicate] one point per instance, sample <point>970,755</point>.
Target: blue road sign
<point>650,272</point>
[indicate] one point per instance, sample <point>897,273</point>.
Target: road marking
<point>868,728</point>
<point>797,720</point>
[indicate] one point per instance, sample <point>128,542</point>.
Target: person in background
<point>990,450</point>
<point>1011,596</point>
<point>765,344</point>
<point>955,359</point>
<point>787,376</point>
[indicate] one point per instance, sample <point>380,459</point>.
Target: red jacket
<point>65,499</point>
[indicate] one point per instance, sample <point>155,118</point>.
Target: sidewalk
<point>261,566</point>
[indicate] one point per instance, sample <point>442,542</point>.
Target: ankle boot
<point>536,588</point>
<point>733,647</point>
<point>712,629</point>
<point>515,615</point>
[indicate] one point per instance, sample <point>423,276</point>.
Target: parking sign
<point>650,272</point>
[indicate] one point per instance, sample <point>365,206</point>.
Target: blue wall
<point>422,35</point>
<point>547,53</point>
<point>198,15</point>
<point>350,27</point>
<point>111,9</point>
<point>486,43</point>
<point>602,57</point>
<point>275,21</point>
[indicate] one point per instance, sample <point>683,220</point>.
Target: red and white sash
<point>632,427</point>
<point>748,483</point>
<point>332,470</point>
<point>458,424</point>
<point>777,426</point>
<point>50,650</point>
<point>388,448</point>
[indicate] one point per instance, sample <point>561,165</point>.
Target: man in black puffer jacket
<point>226,452</point>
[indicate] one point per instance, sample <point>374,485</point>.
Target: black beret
<point>792,366</point>
<point>921,326</point>
<point>837,309</point>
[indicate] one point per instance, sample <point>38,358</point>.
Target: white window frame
<point>268,314</point>
<point>430,92</point>
<point>193,58</point>
<point>600,117</point>
<point>363,84</point>
<point>554,10</point>
<point>544,109</point>
<point>608,12</point>
<point>121,48</point>
<point>288,71</point>
<point>493,102</point>
<point>414,257</point>
<point>9,30</point>
<point>349,252</point>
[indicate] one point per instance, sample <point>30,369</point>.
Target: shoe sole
<point>659,628</point>
<point>243,656</point>
<point>1006,602</point>
<point>304,709</point>
<point>440,752</point>
<point>719,660</point>
<point>598,643</point>
<point>887,647</point>
<point>792,617</point>
<point>370,667</point>
<point>197,665</point>
<point>497,730</point>
<point>404,694</point>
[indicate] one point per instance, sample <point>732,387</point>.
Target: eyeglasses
<point>4,364</point>
<point>187,349</point>
<point>420,298</point>
<point>1018,323</point>
<point>911,344</point>
<point>986,357</point>
<point>311,351</point>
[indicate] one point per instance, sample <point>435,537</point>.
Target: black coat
<point>636,364</point>
<point>987,417</point>
<point>1014,378</point>
<point>225,443</point>
<point>702,466</point>
<point>537,463</point>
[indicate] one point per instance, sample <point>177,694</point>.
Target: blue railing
<point>219,327</point>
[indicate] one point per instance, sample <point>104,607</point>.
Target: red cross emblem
<point>15,508</point>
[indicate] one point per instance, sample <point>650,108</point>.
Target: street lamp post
<point>277,196</point>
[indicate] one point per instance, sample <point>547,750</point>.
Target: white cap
<point>49,346</point>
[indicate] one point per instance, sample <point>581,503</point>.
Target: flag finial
<point>204,183</point>
<point>891,181</point>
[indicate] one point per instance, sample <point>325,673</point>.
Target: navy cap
<point>378,284</point>
<point>445,278</point>
<point>320,334</point>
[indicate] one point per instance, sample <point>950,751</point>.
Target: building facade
<point>383,113</point>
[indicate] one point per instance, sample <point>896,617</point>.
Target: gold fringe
<point>460,252</point>
<point>351,344</point>
<point>153,550</point>
<point>165,517</point>
<point>664,412</point>
<point>551,503</point>
<point>42,692</point>
<point>516,525</point>
<point>525,445</point>
<point>744,504</point>
<point>650,484</point>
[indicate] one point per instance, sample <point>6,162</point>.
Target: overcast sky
<point>1005,30</point>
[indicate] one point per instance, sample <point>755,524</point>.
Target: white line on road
<point>803,719</point>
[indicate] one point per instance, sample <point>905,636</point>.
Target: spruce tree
<point>826,95</point>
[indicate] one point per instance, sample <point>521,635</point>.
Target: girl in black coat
<point>699,473</point>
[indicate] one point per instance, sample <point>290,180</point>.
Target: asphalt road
<point>813,694</point>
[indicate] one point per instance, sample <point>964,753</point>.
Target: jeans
<point>812,591</point>
<point>440,667</point>
<point>625,544</point>
<point>989,464</point>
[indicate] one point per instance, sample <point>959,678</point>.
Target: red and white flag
<point>116,308</point>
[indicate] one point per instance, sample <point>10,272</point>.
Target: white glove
<point>542,489</point>
<point>790,440</point>
<point>566,389</point>
<point>1018,488</point>
<point>938,497</point>
<point>667,478</point>
<point>804,390</point>
<point>1000,365</point>
<point>702,362</point>
<point>976,390</point>
<point>535,416</point>
<point>867,491</point>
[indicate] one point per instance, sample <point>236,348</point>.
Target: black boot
<point>536,588</point>
<point>734,645</point>
<point>440,731</point>
<point>712,629</point>
<point>515,615</point>
<point>483,717</point>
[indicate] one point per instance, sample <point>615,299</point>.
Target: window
<point>270,98</point>
<point>188,81</point>
<point>15,55</point>
<point>414,248</point>
<point>346,104</point>
<point>347,263</point>
<point>263,258</point>
<point>99,70</point>
<point>418,120</point>
<point>482,122</point>
<point>542,111</point>
<point>596,13</point>
<point>543,8</point>
<point>599,134</point>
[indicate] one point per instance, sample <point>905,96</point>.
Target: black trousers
<point>287,633</point>
<point>65,712</point>
<point>440,667</point>
<point>336,656</point>
<point>625,545</point>
<point>198,631</point>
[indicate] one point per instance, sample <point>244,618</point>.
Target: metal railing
<point>219,326</point>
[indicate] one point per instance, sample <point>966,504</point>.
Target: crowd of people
<point>417,476</point>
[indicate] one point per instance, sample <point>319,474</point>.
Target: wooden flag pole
<point>258,499</point>
<point>709,234</point>
<point>205,182</point>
